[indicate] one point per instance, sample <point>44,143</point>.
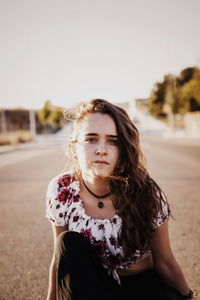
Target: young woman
<point>109,217</point>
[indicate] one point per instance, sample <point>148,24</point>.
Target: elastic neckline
<point>83,209</point>
<point>91,217</point>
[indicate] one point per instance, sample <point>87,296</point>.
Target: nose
<point>101,149</point>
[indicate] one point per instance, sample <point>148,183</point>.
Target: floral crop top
<point>64,207</point>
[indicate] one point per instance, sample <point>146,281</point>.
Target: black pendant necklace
<point>100,203</point>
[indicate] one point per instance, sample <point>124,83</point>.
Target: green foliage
<point>157,97</point>
<point>190,93</point>
<point>56,118</point>
<point>176,95</point>
<point>44,113</point>
<point>51,117</point>
<point>185,76</point>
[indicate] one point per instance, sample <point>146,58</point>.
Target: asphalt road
<point>26,242</point>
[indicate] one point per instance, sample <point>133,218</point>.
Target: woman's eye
<point>113,142</point>
<point>90,140</point>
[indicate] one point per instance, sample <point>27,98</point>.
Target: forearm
<point>173,276</point>
<point>51,295</point>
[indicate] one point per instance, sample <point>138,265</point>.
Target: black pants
<point>80,276</point>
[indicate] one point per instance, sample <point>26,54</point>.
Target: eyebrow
<point>108,135</point>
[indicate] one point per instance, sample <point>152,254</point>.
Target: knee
<point>69,241</point>
<point>68,236</point>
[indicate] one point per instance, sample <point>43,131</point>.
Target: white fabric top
<point>64,207</point>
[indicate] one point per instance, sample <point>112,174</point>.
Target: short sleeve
<point>57,203</point>
<point>163,214</point>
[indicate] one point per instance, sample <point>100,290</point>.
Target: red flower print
<point>101,227</point>
<point>113,241</point>
<point>75,218</point>
<point>86,233</point>
<point>65,180</point>
<point>63,195</point>
<point>76,198</point>
<point>114,220</point>
<point>99,247</point>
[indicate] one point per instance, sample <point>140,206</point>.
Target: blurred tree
<point>176,95</point>
<point>185,75</point>
<point>172,95</point>
<point>157,98</point>
<point>44,113</point>
<point>56,118</point>
<point>51,117</point>
<point>190,91</point>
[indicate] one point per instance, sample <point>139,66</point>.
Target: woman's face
<point>97,148</point>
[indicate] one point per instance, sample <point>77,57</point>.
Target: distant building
<point>142,103</point>
<point>15,119</point>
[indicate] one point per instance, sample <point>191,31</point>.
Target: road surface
<point>26,242</point>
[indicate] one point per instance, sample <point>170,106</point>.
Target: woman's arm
<point>165,262</point>
<point>51,295</point>
<point>52,281</point>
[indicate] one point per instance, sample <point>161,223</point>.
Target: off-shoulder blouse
<point>64,207</point>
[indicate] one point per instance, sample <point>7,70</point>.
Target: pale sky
<point>71,51</point>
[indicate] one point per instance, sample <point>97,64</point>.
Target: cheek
<point>115,154</point>
<point>82,153</point>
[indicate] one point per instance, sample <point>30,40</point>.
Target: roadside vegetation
<point>50,118</point>
<point>176,96</point>
<point>16,123</point>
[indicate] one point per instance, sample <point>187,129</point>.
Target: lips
<point>103,162</point>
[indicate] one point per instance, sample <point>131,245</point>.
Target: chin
<point>98,172</point>
<point>101,173</point>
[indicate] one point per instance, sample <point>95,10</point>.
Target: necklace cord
<point>96,196</point>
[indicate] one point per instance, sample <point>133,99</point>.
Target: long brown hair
<point>137,197</point>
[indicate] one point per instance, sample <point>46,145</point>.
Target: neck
<point>97,185</point>
<point>99,193</point>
